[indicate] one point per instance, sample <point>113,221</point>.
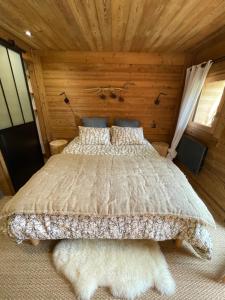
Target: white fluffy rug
<point>127,267</point>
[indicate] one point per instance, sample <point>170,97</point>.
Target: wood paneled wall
<point>210,183</point>
<point>6,186</point>
<point>73,72</point>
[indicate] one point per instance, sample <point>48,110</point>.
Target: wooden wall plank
<point>113,57</point>
<point>5,182</point>
<point>40,95</point>
<point>39,105</point>
<point>72,72</point>
<point>210,183</point>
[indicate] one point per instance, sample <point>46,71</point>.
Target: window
<point>208,102</point>
<point>15,106</point>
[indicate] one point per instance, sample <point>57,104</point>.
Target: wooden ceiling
<point>114,25</point>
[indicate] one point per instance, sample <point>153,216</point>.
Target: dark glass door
<point>19,141</point>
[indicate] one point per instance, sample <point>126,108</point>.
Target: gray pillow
<point>126,123</point>
<point>94,122</point>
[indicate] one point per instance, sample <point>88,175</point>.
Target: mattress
<point>109,192</point>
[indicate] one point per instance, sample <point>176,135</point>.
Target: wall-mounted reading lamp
<point>66,99</point>
<point>153,124</point>
<point>67,102</point>
<point>157,100</point>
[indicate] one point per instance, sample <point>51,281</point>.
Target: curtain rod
<point>218,59</point>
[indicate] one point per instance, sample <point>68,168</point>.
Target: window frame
<point>210,129</point>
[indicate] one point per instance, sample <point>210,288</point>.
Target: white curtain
<point>194,81</point>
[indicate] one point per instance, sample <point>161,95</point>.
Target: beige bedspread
<point>100,185</point>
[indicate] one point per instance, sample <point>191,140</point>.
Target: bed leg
<point>178,243</point>
<point>34,242</point>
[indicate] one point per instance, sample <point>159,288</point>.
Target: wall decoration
<point>110,91</point>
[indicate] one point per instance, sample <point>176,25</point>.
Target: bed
<point>109,192</point>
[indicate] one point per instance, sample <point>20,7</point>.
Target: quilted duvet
<point>96,187</point>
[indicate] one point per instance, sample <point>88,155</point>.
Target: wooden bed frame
<point>177,242</point>
<point>35,242</point>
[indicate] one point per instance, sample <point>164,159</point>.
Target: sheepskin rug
<point>127,267</point>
